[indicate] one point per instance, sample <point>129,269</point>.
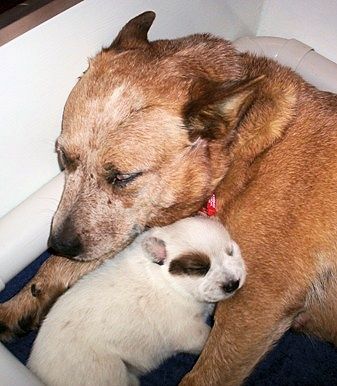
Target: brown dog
<point>150,131</point>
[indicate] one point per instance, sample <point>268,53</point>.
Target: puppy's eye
<point>121,180</point>
<point>190,263</point>
<point>200,271</point>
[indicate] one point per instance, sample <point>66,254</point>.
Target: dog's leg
<point>320,314</point>
<point>245,328</point>
<point>26,309</point>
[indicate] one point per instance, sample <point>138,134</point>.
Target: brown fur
<point>189,117</point>
<point>192,263</point>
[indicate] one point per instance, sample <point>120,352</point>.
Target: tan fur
<point>194,116</point>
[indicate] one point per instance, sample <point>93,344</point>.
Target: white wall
<point>314,22</point>
<point>39,68</point>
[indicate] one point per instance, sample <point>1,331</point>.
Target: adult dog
<point>150,131</point>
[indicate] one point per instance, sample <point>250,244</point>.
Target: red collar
<point>210,207</point>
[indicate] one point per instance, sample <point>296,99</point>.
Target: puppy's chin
<point>214,298</point>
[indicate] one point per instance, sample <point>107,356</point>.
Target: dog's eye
<point>60,159</point>
<point>121,180</point>
<point>65,161</point>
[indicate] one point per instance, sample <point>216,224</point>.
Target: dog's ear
<point>155,248</point>
<point>134,34</point>
<point>215,107</point>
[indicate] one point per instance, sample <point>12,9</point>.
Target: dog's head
<point>197,256</point>
<point>144,137</point>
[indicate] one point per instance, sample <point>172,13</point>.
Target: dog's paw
<point>14,322</point>
<point>21,313</point>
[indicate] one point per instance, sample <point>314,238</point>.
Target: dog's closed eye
<point>120,180</point>
<point>123,179</point>
<point>65,161</point>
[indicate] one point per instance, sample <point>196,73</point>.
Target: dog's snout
<point>65,247</point>
<point>231,286</point>
<point>65,241</point>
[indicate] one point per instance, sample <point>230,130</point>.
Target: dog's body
<point>148,303</point>
<point>168,123</point>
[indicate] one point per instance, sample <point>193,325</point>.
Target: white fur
<point>131,314</point>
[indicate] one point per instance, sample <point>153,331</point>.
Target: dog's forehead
<point>121,124</point>
<point>126,82</point>
<point>91,109</point>
<point>119,83</point>
<point>146,138</point>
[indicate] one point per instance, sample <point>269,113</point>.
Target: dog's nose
<point>65,247</point>
<point>65,242</point>
<point>231,286</point>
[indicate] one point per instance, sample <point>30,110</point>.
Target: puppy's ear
<point>216,108</point>
<point>155,249</point>
<point>134,34</point>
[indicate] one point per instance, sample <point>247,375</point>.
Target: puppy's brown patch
<point>191,263</point>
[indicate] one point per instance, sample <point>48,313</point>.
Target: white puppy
<point>141,307</point>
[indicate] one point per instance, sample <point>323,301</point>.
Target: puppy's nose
<point>231,286</point>
<point>65,242</point>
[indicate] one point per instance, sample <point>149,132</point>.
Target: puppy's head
<point>135,145</point>
<point>198,257</point>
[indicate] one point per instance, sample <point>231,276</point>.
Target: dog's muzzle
<point>65,241</point>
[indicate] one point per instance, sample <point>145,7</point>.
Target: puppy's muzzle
<point>65,241</point>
